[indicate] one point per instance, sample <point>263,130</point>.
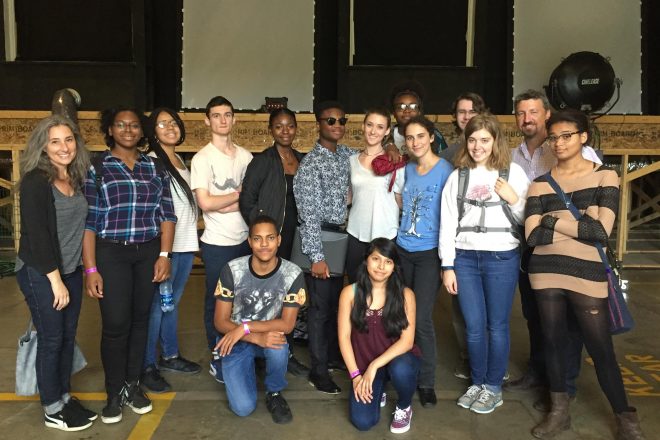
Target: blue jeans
<point>240,377</point>
<point>486,285</point>
<point>162,326</point>
<point>215,258</point>
<point>402,371</point>
<point>56,332</point>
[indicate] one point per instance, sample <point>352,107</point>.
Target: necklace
<point>373,154</point>
<point>288,161</point>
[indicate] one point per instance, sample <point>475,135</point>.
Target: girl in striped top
<point>566,271</point>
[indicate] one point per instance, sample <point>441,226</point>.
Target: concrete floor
<point>198,407</point>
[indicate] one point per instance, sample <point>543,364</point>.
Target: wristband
<point>91,270</point>
<point>246,329</point>
<point>355,374</point>
<point>167,255</point>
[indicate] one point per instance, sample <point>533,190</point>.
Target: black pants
<point>537,363</point>
<point>421,273</point>
<point>128,292</point>
<point>354,257</point>
<point>592,318</point>
<point>322,321</point>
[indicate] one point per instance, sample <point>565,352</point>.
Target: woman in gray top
<point>49,272</point>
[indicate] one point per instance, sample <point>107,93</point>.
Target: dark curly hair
<point>108,118</point>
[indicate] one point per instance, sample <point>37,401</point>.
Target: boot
<point>628,427</point>
<point>557,420</point>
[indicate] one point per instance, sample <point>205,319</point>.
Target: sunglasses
<point>331,121</point>
<point>404,107</point>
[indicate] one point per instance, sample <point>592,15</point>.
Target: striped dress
<point>564,257</point>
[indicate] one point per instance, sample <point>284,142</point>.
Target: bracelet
<point>355,374</point>
<point>246,329</point>
<point>91,270</point>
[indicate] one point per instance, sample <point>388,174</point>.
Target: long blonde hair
<point>35,157</point>
<point>499,159</point>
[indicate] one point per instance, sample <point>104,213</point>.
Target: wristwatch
<point>167,255</point>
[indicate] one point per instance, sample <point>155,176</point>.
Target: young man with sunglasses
<point>407,102</point>
<point>321,191</point>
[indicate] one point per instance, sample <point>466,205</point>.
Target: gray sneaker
<point>486,402</point>
<point>467,399</point>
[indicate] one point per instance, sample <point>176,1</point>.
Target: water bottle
<point>166,296</point>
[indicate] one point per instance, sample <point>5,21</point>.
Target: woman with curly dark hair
<point>376,338</point>
<point>126,249</point>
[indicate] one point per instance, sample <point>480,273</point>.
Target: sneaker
<point>278,408</point>
<point>297,368</point>
<point>136,399</point>
<point>112,411</point>
<point>67,420</point>
<point>427,397</point>
<point>506,376</point>
<point>154,382</point>
<point>215,370</point>
<point>179,364</point>
<point>324,384</point>
<point>462,369</point>
<point>467,399</point>
<point>486,402</point>
<point>401,421</point>
<point>383,400</point>
<point>75,406</point>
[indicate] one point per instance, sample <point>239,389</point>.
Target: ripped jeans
<point>591,314</point>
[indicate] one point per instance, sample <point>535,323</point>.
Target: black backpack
<point>461,199</point>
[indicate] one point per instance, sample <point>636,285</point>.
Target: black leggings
<point>591,314</point>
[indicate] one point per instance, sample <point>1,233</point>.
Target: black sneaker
<point>324,384</point>
<point>427,397</point>
<point>179,365</point>
<point>278,408</point>
<point>67,420</point>
<point>136,399</point>
<point>112,411</point>
<point>75,406</point>
<point>297,368</point>
<point>152,379</point>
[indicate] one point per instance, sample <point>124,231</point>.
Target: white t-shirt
<point>220,174</point>
<point>481,186</point>
<point>185,233</point>
<point>374,212</point>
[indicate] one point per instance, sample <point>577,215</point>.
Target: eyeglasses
<point>552,139</point>
<point>466,112</point>
<point>122,125</point>
<point>404,107</point>
<point>331,121</point>
<point>165,124</point>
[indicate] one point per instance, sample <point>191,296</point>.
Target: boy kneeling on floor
<point>258,297</point>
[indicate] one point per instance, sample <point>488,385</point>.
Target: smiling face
<point>418,140</point>
<point>61,146</point>
<point>480,146</point>
<point>283,130</point>
<point>167,130</point>
<point>220,119</point>
<point>566,148</point>
<point>375,128</point>
<point>531,117</point>
<point>331,133</point>
<point>126,130</point>
<point>379,267</point>
<point>264,241</point>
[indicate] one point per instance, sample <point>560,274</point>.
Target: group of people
<point>465,216</point>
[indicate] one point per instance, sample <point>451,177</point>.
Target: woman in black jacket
<point>268,183</point>
<point>49,272</point>
<point>268,190</point>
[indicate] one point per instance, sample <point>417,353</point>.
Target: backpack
<point>461,199</point>
<point>97,163</point>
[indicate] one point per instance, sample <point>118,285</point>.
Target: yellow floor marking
<point>146,426</point>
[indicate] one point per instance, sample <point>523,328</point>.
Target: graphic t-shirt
<point>260,297</point>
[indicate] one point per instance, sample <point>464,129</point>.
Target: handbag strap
<point>571,207</point>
